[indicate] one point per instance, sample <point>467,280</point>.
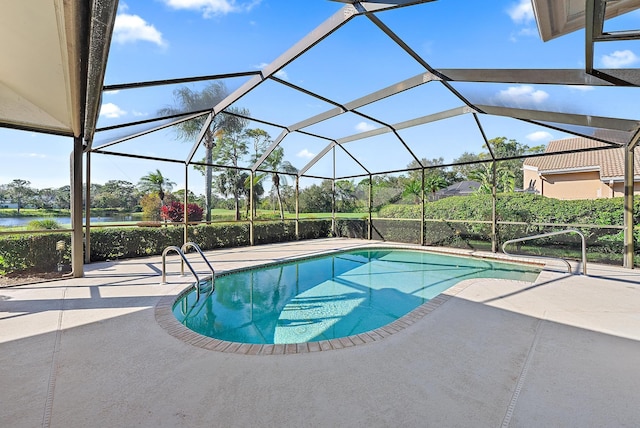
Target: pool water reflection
<point>331,296</point>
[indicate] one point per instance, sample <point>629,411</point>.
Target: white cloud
<point>619,59</point>
<point>522,95</point>
<point>131,28</point>
<point>111,111</point>
<point>111,92</point>
<point>364,126</point>
<point>139,113</point>
<point>528,32</point>
<point>580,88</point>
<point>282,74</point>
<point>521,12</point>
<point>304,153</point>
<point>27,155</point>
<point>539,136</point>
<point>211,8</point>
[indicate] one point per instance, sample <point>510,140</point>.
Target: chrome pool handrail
<point>184,259</point>
<point>195,246</point>
<point>544,235</point>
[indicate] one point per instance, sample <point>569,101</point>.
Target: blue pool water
<point>331,296</point>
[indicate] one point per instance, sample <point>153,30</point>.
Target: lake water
<point>23,221</point>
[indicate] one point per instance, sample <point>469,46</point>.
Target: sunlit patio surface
<point>561,352</point>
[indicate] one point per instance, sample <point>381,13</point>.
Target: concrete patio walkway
<point>563,352</point>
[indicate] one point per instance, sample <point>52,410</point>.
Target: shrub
<point>175,212</point>
<point>151,204</point>
<point>352,228</point>
<point>314,229</point>
<point>36,253</point>
<point>116,243</point>
<point>274,231</point>
<point>43,224</point>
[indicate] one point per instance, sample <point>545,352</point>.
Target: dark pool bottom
<point>332,296</point>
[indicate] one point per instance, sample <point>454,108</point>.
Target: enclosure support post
<point>297,207</point>
<point>185,216</point>
<point>628,206</point>
<point>333,196</point>
<point>251,203</point>
<point>76,209</point>
<point>370,225</point>
<point>87,210</point>
<point>494,217</point>
<point>422,212</point>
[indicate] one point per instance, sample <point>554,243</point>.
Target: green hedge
<point>37,252</point>
<point>519,207</point>
<point>314,229</point>
<point>218,235</point>
<point>397,230</point>
<point>351,228</point>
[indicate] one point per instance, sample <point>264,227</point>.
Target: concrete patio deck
<point>563,352</point>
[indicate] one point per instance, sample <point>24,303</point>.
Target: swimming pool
<point>330,296</point>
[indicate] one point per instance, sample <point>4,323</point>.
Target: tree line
<point>229,142</point>
<point>230,186</point>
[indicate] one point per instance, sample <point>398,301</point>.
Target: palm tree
<point>155,181</point>
<point>413,188</point>
<point>258,190</point>
<point>276,163</point>
<point>505,178</point>
<point>433,183</point>
<point>188,100</point>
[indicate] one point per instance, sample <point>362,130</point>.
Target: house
<point>584,175</point>
<point>462,188</point>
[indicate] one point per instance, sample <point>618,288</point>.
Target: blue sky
<point>164,39</point>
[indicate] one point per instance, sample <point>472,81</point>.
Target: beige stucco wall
<point>578,185</point>
<point>619,189</point>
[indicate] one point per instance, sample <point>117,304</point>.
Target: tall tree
<point>502,148</point>
<point>316,198</point>
<point>231,147</point>
<point>63,197</point>
<point>278,166</point>
<point>18,190</point>
<point>446,173</point>
<point>155,182</point>
<point>116,194</point>
<point>188,100</point>
<point>345,196</point>
<point>260,140</point>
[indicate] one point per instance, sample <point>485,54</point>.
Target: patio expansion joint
<point>53,371</point>
<point>522,377</point>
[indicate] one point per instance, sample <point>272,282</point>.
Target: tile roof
<point>609,162</point>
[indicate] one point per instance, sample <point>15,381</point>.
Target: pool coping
<point>166,319</point>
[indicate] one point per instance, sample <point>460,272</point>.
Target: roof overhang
<point>40,84</point>
<point>592,168</point>
<point>47,51</point>
<point>556,18</point>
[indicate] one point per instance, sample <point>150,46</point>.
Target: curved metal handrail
<point>544,235</point>
<point>195,246</point>
<point>184,259</point>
